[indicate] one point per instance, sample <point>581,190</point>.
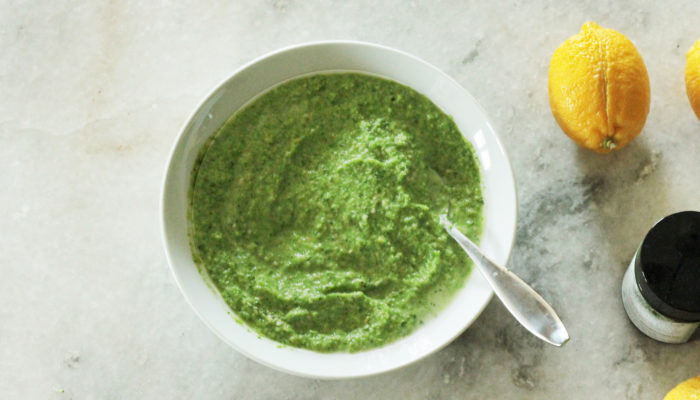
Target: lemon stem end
<point>608,143</point>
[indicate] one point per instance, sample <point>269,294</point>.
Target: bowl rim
<point>210,94</point>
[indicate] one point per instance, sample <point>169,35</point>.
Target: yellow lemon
<point>686,390</point>
<point>599,88</point>
<point>692,77</point>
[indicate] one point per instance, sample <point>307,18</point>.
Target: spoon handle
<point>526,305</point>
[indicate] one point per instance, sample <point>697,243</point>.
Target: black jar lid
<point>667,267</point>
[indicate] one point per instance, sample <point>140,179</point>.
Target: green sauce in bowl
<point>314,210</point>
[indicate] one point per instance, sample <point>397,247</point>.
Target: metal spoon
<point>528,307</point>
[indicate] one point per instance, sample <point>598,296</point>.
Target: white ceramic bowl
<point>272,69</point>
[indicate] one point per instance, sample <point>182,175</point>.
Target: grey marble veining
<point>94,93</point>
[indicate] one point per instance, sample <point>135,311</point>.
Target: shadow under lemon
<point>628,193</point>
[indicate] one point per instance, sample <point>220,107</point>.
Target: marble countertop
<point>93,95</point>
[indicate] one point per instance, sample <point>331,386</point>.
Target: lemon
<point>599,88</point>
<point>686,390</point>
<point>692,77</point>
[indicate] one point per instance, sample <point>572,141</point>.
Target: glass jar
<point>661,287</point>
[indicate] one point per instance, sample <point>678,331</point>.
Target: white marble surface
<point>93,94</point>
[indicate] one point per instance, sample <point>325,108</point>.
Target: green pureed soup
<point>315,211</point>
